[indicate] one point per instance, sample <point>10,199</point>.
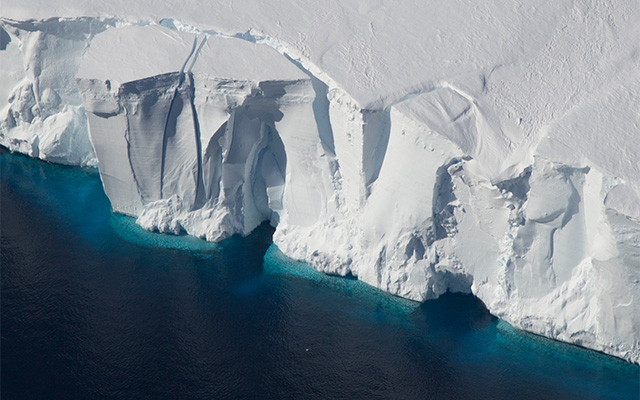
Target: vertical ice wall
<point>199,139</point>
<point>41,113</point>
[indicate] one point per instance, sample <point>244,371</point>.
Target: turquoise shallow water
<point>95,307</point>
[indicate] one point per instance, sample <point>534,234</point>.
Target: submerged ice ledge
<point>427,193</point>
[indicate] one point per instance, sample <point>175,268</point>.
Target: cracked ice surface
<point>488,147</point>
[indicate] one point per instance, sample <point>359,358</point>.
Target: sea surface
<point>94,307</point>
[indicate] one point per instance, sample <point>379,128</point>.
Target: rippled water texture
<point>93,307</point>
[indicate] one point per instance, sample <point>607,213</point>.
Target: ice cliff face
<point>497,182</point>
<point>196,141</point>
<point>42,113</point>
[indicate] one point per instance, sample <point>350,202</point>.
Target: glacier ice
<point>39,63</point>
<point>481,158</point>
<point>200,144</point>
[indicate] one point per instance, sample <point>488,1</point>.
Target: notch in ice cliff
<point>430,192</point>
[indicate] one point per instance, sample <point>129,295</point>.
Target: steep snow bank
<point>511,173</point>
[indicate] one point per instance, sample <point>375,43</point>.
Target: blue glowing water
<point>93,307</point>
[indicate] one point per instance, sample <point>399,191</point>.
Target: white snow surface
<point>487,147</point>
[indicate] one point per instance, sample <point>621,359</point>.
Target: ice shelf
<point>469,147</point>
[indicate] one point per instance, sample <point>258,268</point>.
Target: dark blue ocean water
<point>93,307</point>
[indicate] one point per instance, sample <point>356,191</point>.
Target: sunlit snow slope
<point>488,147</point>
